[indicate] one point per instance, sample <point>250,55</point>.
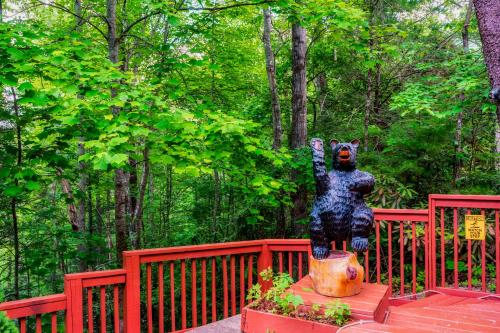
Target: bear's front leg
<point>363,182</point>
<point>319,168</point>
<point>319,241</point>
<point>361,224</point>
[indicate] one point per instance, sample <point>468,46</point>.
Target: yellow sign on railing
<point>475,227</point>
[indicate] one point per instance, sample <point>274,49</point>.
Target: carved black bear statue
<point>339,211</point>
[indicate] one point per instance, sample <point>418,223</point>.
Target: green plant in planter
<point>7,325</point>
<point>337,312</point>
<point>279,300</point>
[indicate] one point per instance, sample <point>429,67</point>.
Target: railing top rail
<point>471,197</point>
<point>95,274</point>
<point>464,201</point>
<point>34,306</point>
<point>415,215</point>
<point>193,248</point>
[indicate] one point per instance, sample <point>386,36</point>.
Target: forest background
<point>141,124</point>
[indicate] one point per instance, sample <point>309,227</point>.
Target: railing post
<point>74,305</point>
<point>132,301</point>
<point>264,261</point>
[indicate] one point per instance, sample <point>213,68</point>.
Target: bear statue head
<point>344,154</point>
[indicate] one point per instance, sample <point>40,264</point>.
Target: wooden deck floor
<point>438,313</point>
<point>435,314</point>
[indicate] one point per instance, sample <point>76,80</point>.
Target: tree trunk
<point>275,104</point>
<point>139,206</point>
<point>457,165</point>
<point>271,77</point>
<point>299,122</point>
<point>488,12</point>
<point>368,100</point>
<point>121,177</point>
<point>215,211</point>
<point>15,224</point>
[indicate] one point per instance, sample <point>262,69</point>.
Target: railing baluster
<point>90,315</point>
<point>172,295</point>
<point>443,264</point>
<point>497,251</point>
<point>161,303</point>
<point>413,258</point>
<point>38,323</point>
<point>483,257</point>
<point>183,295</point>
<point>149,296</point>
<point>377,248</point>
<point>469,261</point>
<point>389,254</point>
<point>280,261</point>
<point>242,282</point>
<point>299,254</point>
<point>194,300</point>
<point>224,282</point>
<point>22,325</point>
<point>54,322</point>
<point>401,258</point>
<point>426,255</point>
<point>344,246</point>
<point>455,247</point>
<point>290,264</point>
<point>116,308</point>
<point>250,271</point>
<point>367,267</point>
<point>102,291</point>
<point>233,286</point>
<point>203,291</point>
<point>214,291</point>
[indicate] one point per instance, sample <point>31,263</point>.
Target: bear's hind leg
<point>362,219</point>
<point>319,241</point>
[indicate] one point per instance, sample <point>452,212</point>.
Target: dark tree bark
<point>15,223</point>
<point>121,177</point>
<point>321,85</point>
<point>368,105</point>
<point>457,165</point>
<point>299,121</point>
<point>271,78</point>
<point>216,207</point>
<point>299,87</point>
<point>137,216</point>
<point>275,105</point>
<point>488,17</point>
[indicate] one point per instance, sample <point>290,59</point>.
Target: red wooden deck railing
<point>174,289</point>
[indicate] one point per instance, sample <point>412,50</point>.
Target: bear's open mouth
<point>344,156</point>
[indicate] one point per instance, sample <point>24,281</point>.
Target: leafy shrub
<point>337,312</point>
<point>7,325</point>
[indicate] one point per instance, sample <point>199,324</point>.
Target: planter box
<point>370,304</point>
<point>253,321</point>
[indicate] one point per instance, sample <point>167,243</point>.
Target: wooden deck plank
<point>370,303</point>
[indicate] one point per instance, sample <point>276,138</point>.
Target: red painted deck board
<point>379,328</point>
<point>370,303</point>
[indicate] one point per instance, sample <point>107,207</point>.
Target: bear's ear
<point>355,143</point>
<point>333,143</point>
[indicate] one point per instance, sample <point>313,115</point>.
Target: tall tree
<point>457,165</point>
<point>299,119</point>
<point>271,78</point>
<point>121,176</point>
<point>488,14</point>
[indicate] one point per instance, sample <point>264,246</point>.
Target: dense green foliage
<point>7,325</point>
<point>188,107</point>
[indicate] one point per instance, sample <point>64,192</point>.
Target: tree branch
<point>66,10</point>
